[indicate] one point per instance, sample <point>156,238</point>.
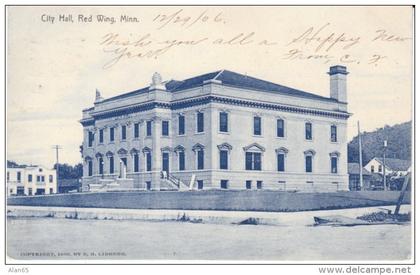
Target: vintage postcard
<point>209,134</point>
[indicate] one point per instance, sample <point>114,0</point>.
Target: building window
<point>248,184</point>
<point>252,161</point>
<point>280,128</point>
<point>51,190</point>
<point>101,136</point>
<point>136,130</point>
<point>333,133</point>
<point>223,159</point>
<point>259,184</point>
<point>8,176</point>
<point>90,139</point>
<point>200,160</point>
<point>224,184</point>
<point>181,125</point>
<point>19,174</point>
<point>380,168</point>
<point>181,160</point>
<point>308,164</point>
<point>111,165</point>
<point>200,122</point>
<point>136,163</point>
<point>334,161</point>
<point>149,128</point>
<point>223,122</point>
<point>148,161</point>
<point>101,166</point>
<point>29,178</point>
<point>280,162</point>
<point>308,131</point>
<point>165,128</point>
<point>200,184</point>
<point>38,178</point>
<point>148,185</point>
<point>90,169</point>
<point>257,126</point>
<point>372,168</point>
<point>50,178</point>
<point>123,132</point>
<point>111,134</point>
<point>30,191</point>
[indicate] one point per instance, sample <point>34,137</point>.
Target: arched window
<point>148,156</point>
<point>253,156</point>
<point>281,158</point>
<point>199,151</point>
<point>224,150</point>
<point>180,151</point>
<point>334,162</point>
<point>309,155</point>
<point>136,159</point>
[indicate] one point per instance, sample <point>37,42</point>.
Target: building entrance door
<point>124,160</point>
<point>165,162</point>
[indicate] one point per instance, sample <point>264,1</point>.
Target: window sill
<point>199,133</point>
<point>280,137</point>
<point>181,135</point>
<point>258,136</point>
<point>224,133</point>
<point>111,142</point>
<point>165,136</point>
<point>309,140</point>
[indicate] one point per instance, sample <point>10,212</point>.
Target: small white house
<point>391,166</point>
<point>31,180</point>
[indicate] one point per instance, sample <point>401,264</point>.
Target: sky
<point>58,56</point>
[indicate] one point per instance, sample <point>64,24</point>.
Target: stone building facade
<point>221,130</point>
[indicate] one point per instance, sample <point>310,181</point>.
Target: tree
<point>66,171</point>
<point>399,143</point>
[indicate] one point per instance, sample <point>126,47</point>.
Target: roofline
<point>219,73</point>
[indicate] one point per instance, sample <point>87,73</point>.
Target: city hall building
<point>220,130</point>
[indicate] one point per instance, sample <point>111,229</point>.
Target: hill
<point>399,143</point>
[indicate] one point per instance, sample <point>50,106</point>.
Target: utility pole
<point>360,158</point>
<point>384,174</point>
<point>56,148</point>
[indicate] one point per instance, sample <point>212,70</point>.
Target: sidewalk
<point>303,218</point>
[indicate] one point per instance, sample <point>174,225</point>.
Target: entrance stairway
<point>170,182</point>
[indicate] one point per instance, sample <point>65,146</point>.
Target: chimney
<point>338,83</point>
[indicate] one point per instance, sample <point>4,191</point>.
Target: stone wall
<point>261,200</point>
